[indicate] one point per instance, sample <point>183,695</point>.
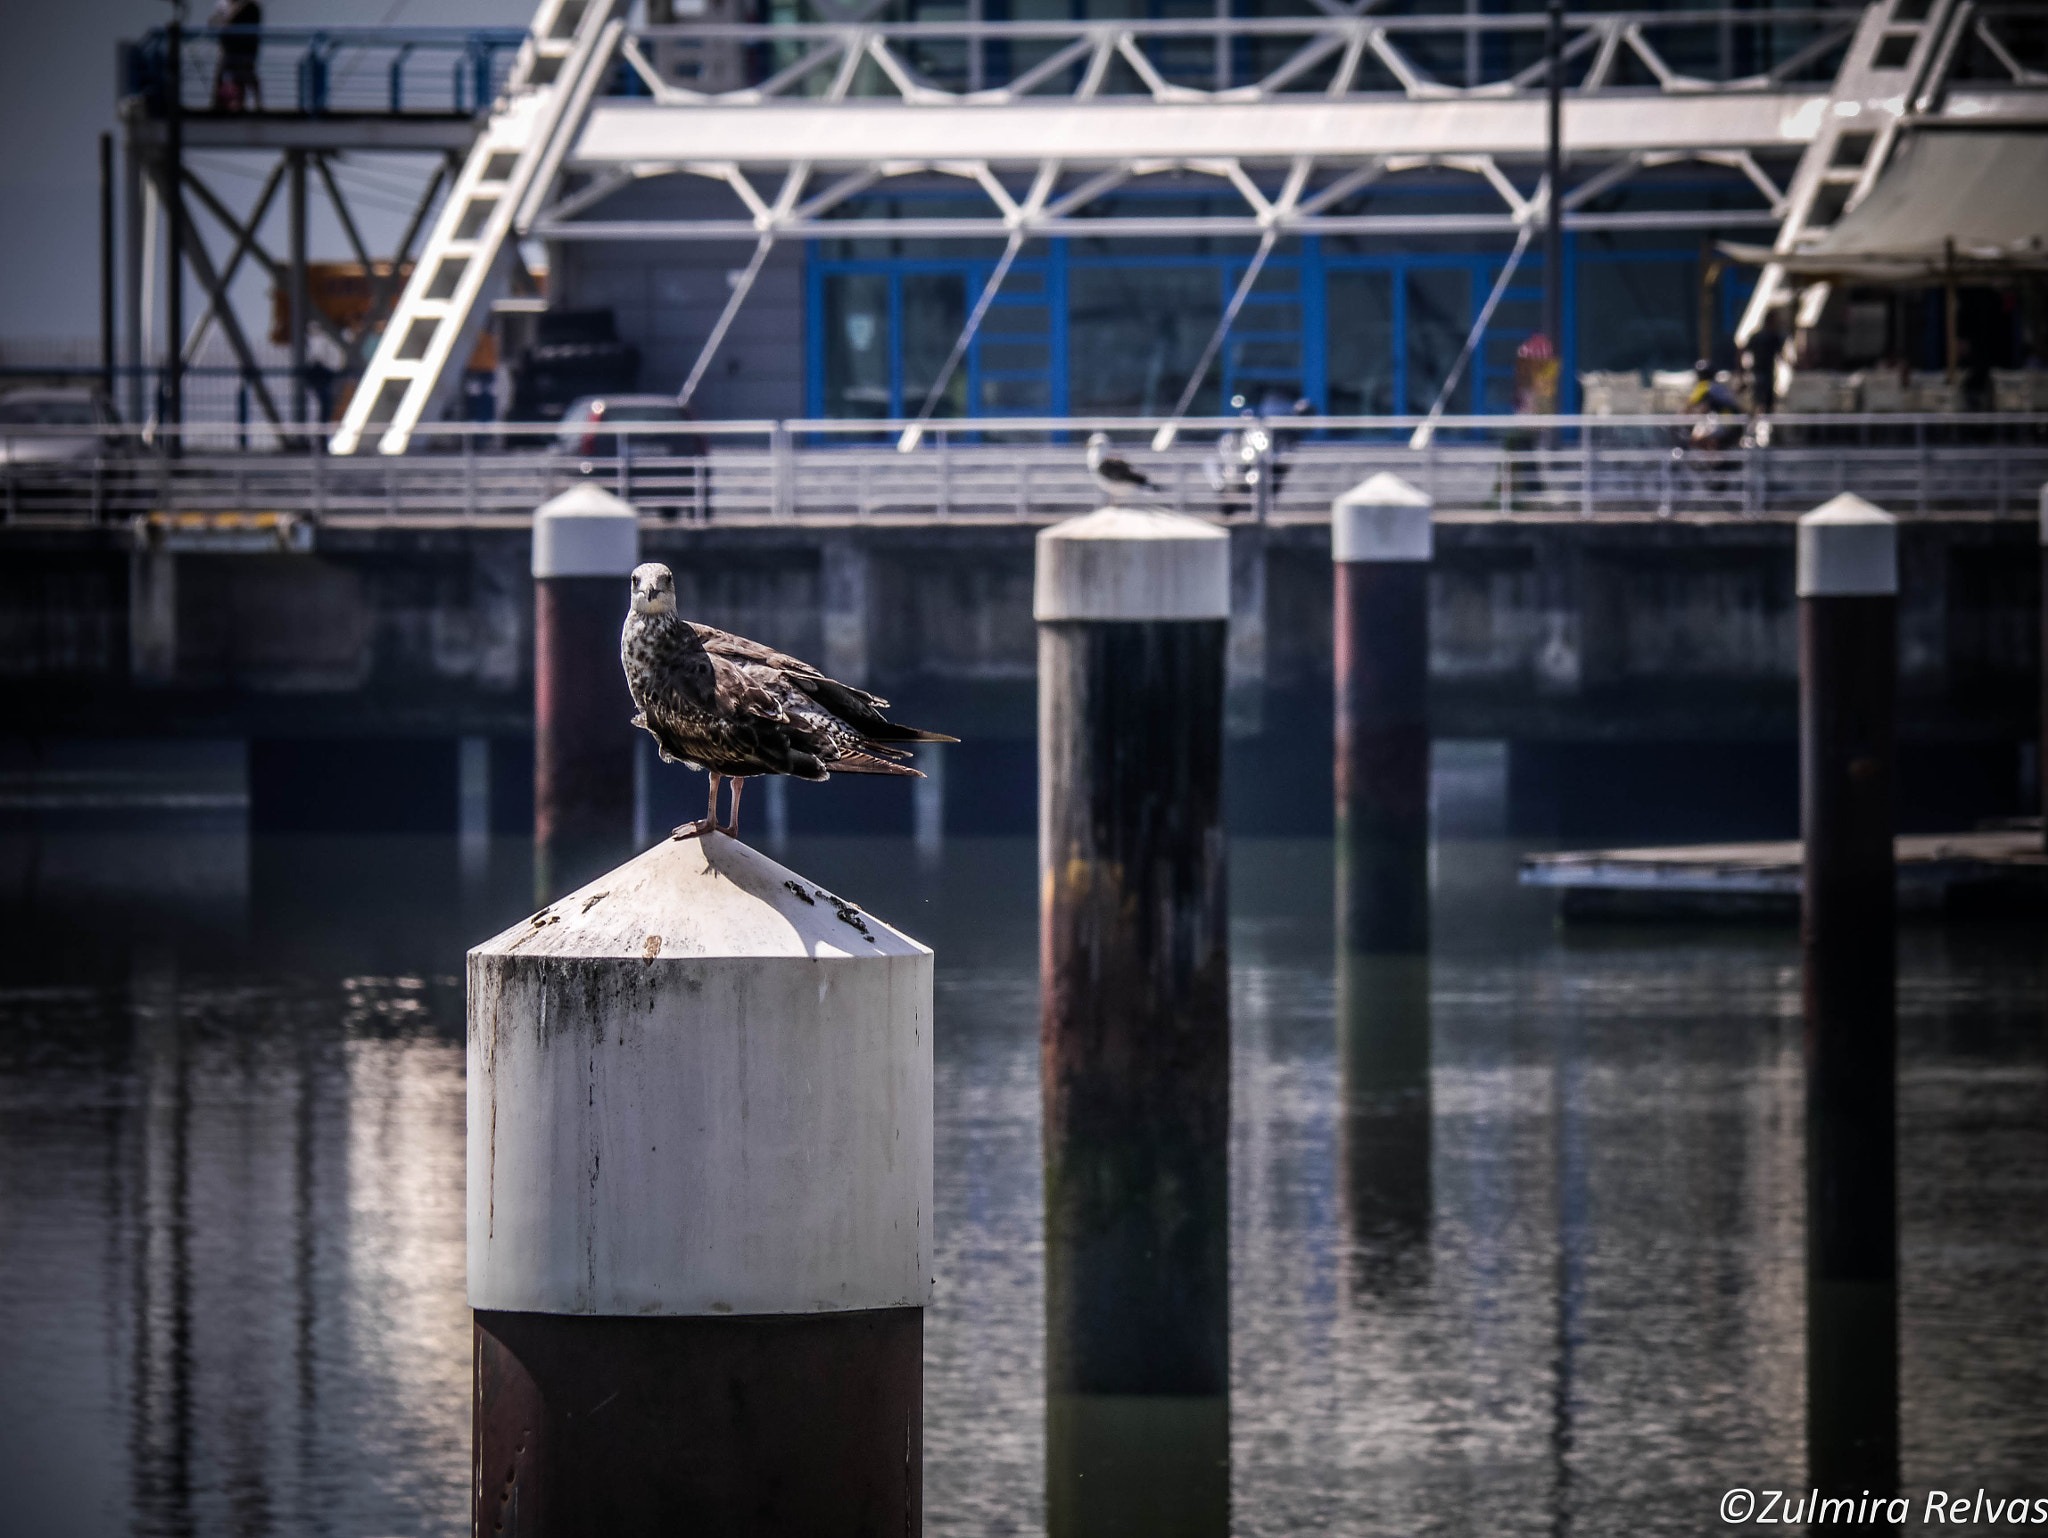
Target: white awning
<point>1974,203</point>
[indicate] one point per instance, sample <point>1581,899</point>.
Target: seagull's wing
<point>859,709</point>
<point>1122,471</point>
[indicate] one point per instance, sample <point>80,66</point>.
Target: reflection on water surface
<point>1555,1285</point>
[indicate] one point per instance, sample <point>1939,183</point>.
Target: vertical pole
<point>297,297</point>
<point>473,807</point>
<point>1133,607</point>
<point>928,805</point>
<point>1950,306</point>
<point>136,227</point>
<point>172,413</point>
<point>586,543</point>
<point>2041,754</point>
<point>1553,168</point>
<point>1381,544</point>
<point>1380,547</point>
<point>107,267</point>
<point>1848,600</point>
<point>700,1197</point>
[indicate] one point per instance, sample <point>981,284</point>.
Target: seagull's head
<point>654,589</point>
<point>1098,445</point>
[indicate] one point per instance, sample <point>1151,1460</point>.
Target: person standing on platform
<point>235,86</point>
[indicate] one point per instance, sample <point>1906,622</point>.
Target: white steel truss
<point>467,260</point>
<point>1894,66</point>
<point>1343,100</point>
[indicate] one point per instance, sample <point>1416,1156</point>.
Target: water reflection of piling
<point>700,1185</point>
<point>1848,586</point>
<point>586,543</point>
<point>1380,543</point>
<point>1383,1024</point>
<point>1133,608</point>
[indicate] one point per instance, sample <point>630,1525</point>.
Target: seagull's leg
<point>710,822</point>
<point>732,830</point>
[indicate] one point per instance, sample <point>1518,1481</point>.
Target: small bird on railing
<point>1117,476</point>
<point>736,708</point>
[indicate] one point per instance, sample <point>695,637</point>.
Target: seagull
<point>1113,473</point>
<point>736,708</point>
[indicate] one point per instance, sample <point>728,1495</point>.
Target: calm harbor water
<point>1562,1293</point>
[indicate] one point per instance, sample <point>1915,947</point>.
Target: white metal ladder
<point>1894,60</point>
<point>468,257</point>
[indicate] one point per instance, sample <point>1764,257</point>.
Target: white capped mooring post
<point>1847,584</point>
<point>586,543</point>
<point>700,1194</point>
<point>1133,607</point>
<point>1381,541</point>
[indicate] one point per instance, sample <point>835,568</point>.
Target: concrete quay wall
<point>1567,633</point>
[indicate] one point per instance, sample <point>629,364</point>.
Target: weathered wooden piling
<point>586,543</point>
<point>1847,589</point>
<point>700,1179</point>
<point>1134,972</point>
<point>1380,544</point>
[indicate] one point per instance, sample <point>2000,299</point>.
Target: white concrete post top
<point>585,532</point>
<point>1128,563</point>
<point>1382,518</point>
<point>1848,549</point>
<point>702,1085</point>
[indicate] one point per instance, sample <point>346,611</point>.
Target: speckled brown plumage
<point>722,703</point>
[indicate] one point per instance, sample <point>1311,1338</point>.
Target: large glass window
<point>1135,332</point>
<point>1640,313</point>
<point>1439,318</point>
<point>934,309</point>
<point>1363,381</point>
<point>857,344</point>
<point>1085,328</point>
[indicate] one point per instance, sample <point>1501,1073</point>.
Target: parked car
<point>643,462</point>
<point>582,437</point>
<point>68,409</point>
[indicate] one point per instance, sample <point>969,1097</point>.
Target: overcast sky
<point>57,85</point>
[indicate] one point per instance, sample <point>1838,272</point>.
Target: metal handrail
<point>318,61</point>
<point>1500,466</point>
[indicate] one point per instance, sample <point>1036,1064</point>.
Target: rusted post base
<point>589,1427</point>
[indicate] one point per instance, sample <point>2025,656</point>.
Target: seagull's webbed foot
<point>709,822</point>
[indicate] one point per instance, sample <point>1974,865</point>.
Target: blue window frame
<point>1354,333</point>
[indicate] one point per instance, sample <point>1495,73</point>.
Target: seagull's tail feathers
<point>889,731</point>
<point>867,763</point>
<point>863,712</point>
